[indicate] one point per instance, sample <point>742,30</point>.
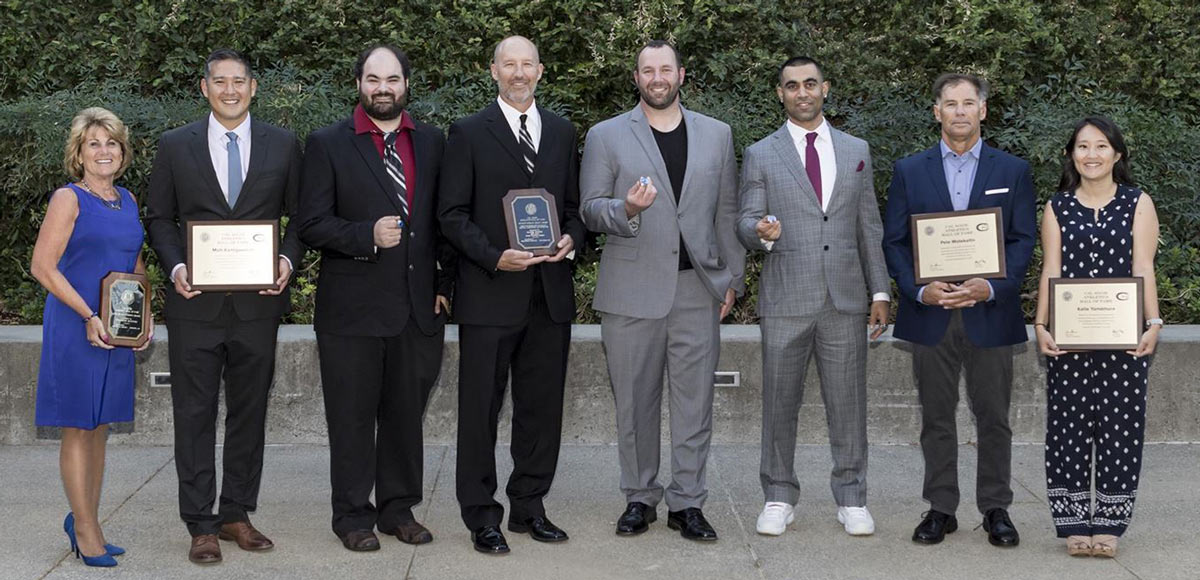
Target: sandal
<point>1079,546</point>
<point>1104,546</point>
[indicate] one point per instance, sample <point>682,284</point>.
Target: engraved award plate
<point>125,308</point>
<point>532,219</point>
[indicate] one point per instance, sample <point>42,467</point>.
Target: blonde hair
<point>80,125</point>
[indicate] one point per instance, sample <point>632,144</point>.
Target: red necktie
<point>812,165</point>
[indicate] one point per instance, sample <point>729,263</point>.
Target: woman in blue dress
<point>91,228</point>
<point>1098,225</point>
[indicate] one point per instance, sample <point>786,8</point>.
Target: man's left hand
<point>727,305</point>
<point>441,304</point>
<point>285,274</point>
<point>879,318</point>
<point>967,294</point>
<point>565,245</point>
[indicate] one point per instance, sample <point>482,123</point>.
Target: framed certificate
<point>532,219</point>
<point>956,245</point>
<point>233,255</point>
<point>1096,313</point>
<point>125,308</point>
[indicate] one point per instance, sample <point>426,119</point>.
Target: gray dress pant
<point>989,373</point>
<point>838,342</point>
<point>687,342</point>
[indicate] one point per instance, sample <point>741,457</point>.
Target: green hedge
<point>1049,63</point>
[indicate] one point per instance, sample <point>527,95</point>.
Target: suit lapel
<point>987,162</point>
<point>260,148</point>
<point>786,149</point>
<point>641,131</point>
<point>366,148</point>
<point>204,163</point>
<point>937,175</point>
<point>843,162</point>
<point>693,151</point>
<point>549,142</point>
<point>498,126</point>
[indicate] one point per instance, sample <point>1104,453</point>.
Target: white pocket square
<point>996,191</point>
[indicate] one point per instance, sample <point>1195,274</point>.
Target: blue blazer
<point>919,186</point>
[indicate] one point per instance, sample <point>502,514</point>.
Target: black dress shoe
<point>360,541</point>
<point>1000,529</point>
<point>539,528</point>
<point>933,527</point>
<point>691,525</point>
<point>636,519</point>
<point>489,540</point>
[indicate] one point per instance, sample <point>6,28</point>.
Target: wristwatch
<point>1154,321</point>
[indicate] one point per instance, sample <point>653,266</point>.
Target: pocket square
<point>861,164</point>
<point>996,191</point>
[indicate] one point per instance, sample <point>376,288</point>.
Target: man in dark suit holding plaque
<point>226,166</point>
<point>962,325</point>
<point>369,204</point>
<point>514,308</point>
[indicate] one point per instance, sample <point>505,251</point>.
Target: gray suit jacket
<point>641,256</point>
<point>838,251</point>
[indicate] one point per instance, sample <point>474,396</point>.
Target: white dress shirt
<point>824,145</point>
<point>218,144</point>
<point>533,122</point>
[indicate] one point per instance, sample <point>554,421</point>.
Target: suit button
<point>412,234</point>
<point>674,251</point>
<point>410,266</point>
<point>229,293</point>
<point>826,248</point>
<point>826,218</point>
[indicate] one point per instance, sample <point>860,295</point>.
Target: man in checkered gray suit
<point>808,199</point>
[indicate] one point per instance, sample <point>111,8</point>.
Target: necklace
<point>110,204</point>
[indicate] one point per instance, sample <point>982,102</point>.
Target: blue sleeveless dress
<point>80,385</point>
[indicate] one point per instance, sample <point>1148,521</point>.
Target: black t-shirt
<point>672,146</point>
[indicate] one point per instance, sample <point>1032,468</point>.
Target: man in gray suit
<point>808,200</point>
<point>670,271</point>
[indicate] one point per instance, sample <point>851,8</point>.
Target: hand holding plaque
<point>958,245</point>
<point>125,309</point>
<point>531,217</point>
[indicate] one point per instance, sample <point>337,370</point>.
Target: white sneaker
<point>857,520</point>
<point>775,518</point>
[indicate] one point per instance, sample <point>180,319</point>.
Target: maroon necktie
<point>812,165</point>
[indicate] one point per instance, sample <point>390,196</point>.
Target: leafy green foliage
<point>1049,64</point>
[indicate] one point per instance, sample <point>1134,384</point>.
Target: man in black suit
<point>368,203</point>
<point>514,309</point>
<point>225,166</point>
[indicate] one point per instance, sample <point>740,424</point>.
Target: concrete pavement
<point>140,513</point>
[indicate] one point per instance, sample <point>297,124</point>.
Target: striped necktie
<point>527,150</point>
<point>395,170</point>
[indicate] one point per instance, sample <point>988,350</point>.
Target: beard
<point>384,111</point>
<point>659,102</point>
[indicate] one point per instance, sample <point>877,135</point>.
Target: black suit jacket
<point>184,187</point>
<point>364,291</point>
<point>482,164</point>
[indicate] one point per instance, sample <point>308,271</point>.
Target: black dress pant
<point>989,373</point>
<point>536,353</point>
<point>201,354</point>
<point>375,391</point>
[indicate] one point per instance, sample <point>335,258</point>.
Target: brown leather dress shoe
<point>205,549</point>
<point>360,541</point>
<point>411,532</point>
<point>246,536</point>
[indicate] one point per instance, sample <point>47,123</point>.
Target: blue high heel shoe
<point>105,561</point>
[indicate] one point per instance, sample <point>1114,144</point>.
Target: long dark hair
<point>1121,172</point>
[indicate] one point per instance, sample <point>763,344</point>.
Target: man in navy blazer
<point>970,325</point>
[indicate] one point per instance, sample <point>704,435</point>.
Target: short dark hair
<point>952,79</point>
<point>658,44</point>
<point>801,61</point>
<point>395,50</point>
<point>1121,173</point>
<point>221,54</point>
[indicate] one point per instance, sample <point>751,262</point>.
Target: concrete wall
<point>297,413</point>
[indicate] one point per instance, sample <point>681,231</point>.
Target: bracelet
<point>1037,324</point>
<point>89,317</point>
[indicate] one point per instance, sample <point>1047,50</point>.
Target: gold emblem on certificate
<point>233,255</point>
<point>1096,313</point>
<point>125,308</point>
<point>957,245</point>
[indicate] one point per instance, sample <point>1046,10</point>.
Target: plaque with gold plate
<point>125,308</point>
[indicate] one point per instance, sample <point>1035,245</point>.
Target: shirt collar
<point>217,131</point>
<point>973,151</point>
<point>799,133</point>
<point>514,116</point>
<point>364,124</point>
